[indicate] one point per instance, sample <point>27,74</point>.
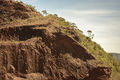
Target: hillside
<point>48,47</point>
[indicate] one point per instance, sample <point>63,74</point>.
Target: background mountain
<point>35,46</point>
<point>116,55</point>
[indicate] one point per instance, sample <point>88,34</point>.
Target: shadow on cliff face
<point>21,33</point>
<point>99,73</point>
<point>65,44</point>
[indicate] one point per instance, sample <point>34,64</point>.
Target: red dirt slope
<point>36,53</point>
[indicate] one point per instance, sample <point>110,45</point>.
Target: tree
<point>55,15</point>
<point>44,12</point>
<point>73,25</point>
<point>90,34</point>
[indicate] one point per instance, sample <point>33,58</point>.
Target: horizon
<point>102,17</point>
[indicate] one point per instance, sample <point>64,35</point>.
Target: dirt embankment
<point>41,52</point>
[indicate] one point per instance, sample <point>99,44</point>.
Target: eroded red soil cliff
<point>39,53</point>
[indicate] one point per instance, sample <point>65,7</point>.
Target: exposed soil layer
<point>38,53</point>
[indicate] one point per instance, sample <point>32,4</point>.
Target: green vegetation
<point>90,34</point>
<point>44,12</point>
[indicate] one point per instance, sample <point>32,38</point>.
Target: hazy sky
<point>100,16</point>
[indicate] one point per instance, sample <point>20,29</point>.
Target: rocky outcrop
<point>45,53</point>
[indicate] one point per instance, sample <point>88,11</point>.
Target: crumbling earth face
<point>30,53</point>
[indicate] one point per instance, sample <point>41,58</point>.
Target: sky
<point>100,16</point>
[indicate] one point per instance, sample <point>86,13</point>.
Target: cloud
<point>110,44</point>
<point>104,24</point>
<point>90,12</point>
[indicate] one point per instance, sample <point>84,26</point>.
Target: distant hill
<point>116,55</point>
